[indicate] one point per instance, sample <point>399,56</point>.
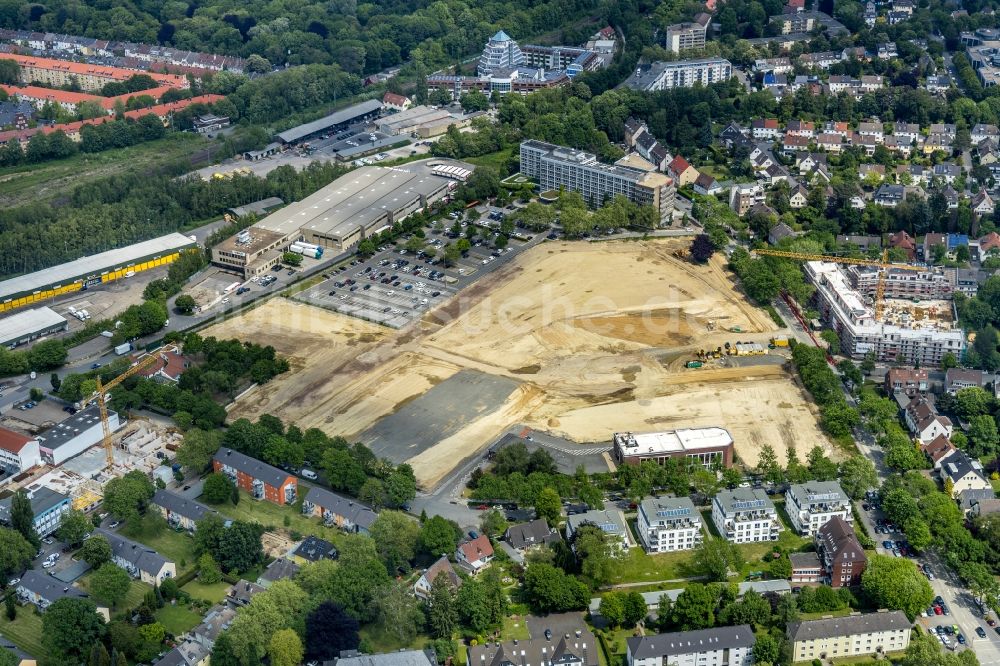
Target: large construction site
<point>581,340</point>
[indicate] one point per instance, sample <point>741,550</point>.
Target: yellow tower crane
<point>882,264</point>
<point>100,396</point>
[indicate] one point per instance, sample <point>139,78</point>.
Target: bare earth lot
<point>595,337</point>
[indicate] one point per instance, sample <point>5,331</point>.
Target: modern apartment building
<point>679,74</point>
<point>851,315</point>
<point>745,515</point>
<point>870,633</point>
<point>933,283</point>
<point>500,51</point>
<point>721,646</point>
<point>47,505</point>
<point>691,35</point>
<point>668,524</point>
<point>706,447</point>
<point>810,505</point>
<point>259,479</point>
<point>839,550</point>
<point>558,167</point>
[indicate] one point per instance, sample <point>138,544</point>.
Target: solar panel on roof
<point>748,504</point>
<point>670,513</point>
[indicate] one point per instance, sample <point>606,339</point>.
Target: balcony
<point>290,495</point>
<point>308,508</point>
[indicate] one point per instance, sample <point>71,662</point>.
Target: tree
<point>153,633</point>
<point>400,486</point>
<point>126,497</point>
<point>766,649</point>
<point>99,656</point>
<point>110,584</point>
<point>185,304</point>
<point>594,553</point>
<point>22,517</point>
<point>551,590</point>
<point>983,435</point>
<point>16,552</point>
<point>613,609</point>
<point>767,465</point>
<point>857,476</point>
<point>896,583</point>
<point>398,612</point>
<point>329,630</point>
<point>198,447</point>
<point>209,572</point>
<point>821,468</point>
<point>442,615</point>
<point>702,248</point>
<point>438,536</point>
<point>268,612</point>
<point>71,626</point>
<point>217,488</point>
<point>548,505</point>
<point>694,608</point>
<point>396,536</point>
<point>96,551</point>
<point>714,559</point>
<point>493,523</point>
<point>73,526</point>
<point>285,648</point>
<point>11,607</point>
<point>291,259</point>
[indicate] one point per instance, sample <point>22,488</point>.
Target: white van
<point>309,474</point>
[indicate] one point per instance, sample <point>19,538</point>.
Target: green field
<point>213,593</point>
<point>385,642</point>
<point>515,627</point>
<point>176,546</point>
<point>494,160</point>
<point>37,182</point>
<point>177,619</point>
<point>639,567</point>
<point>136,593</point>
<point>25,631</point>
<point>272,516</point>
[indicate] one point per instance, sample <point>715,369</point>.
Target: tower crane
<point>882,264</point>
<point>101,395</point>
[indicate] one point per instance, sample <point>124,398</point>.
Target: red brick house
<point>842,555</point>
<point>259,479</point>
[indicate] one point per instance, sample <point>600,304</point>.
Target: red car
<point>482,507</point>
<point>991,622</point>
<point>937,610</point>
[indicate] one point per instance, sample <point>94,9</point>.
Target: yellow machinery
<point>104,390</point>
<point>882,264</point>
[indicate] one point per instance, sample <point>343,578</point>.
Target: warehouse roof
<point>71,427</point>
<point>848,626</point>
<point>335,118</point>
<point>688,642</point>
<point>92,265</point>
<point>357,199</point>
<point>27,323</point>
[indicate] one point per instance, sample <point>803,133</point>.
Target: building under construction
<point>913,331</point>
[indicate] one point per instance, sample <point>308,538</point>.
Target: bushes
<point>837,417</point>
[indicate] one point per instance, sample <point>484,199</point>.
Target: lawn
<point>495,160</point>
<point>382,641</point>
<point>177,619</point>
<point>25,631</point>
<point>615,641</point>
<point>637,566</point>
<point>515,628</point>
<point>272,516</point>
<point>213,593</point>
<point>176,546</point>
<point>136,593</point>
<point>821,614</point>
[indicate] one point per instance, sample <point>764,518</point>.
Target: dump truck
<point>780,341</point>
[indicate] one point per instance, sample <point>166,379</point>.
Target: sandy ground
<point>597,334</point>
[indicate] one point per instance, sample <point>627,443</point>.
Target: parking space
<point>395,286</point>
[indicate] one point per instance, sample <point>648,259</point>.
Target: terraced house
<point>337,511</point>
<point>139,561</point>
<point>180,511</point>
<point>261,480</point>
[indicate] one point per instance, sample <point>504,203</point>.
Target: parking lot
<point>395,287</point>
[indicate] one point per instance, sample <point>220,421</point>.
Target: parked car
<point>980,632</point>
<point>309,474</point>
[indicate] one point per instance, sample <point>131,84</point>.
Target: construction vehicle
<point>780,341</point>
<point>103,392</point>
<point>882,264</point>
<point>694,364</point>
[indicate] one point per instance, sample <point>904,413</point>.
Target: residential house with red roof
<point>18,452</point>
<point>905,242</point>
<point>682,172</point>
<point>395,102</point>
<point>938,450</point>
<point>990,241</point>
<point>169,366</point>
<point>475,554</point>
<point>422,588</point>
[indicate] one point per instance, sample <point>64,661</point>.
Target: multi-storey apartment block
<point>680,74</point>
<point>259,479</point>
<point>839,550</point>
<point>721,646</point>
<point>870,633</point>
<point>745,515</point>
<point>810,505</point>
<point>556,167</point>
<point>683,36</point>
<point>667,524</point>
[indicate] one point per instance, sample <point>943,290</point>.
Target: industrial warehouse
<point>90,271</point>
<point>23,327</point>
<point>356,206</point>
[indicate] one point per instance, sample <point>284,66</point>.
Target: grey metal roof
<point>351,509</point>
<point>401,658</point>
<point>335,118</point>
<point>744,499</point>
<point>48,588</point>
<point>70,428</point>
<point>252,467</point>
<point>142,557</point>
<point>691,642</point>
<point>182,506</point>
<point>813,492</point>
<point>42,500</point>
<point>93,265</point>
<point>848,626</point>
<point>29,322</point>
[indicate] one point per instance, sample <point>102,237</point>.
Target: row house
<point>948,129</point>
<point>260,480</point>
<point>839,83</point>
<point>337,511</point>
<point>745,515</point>
<point>576,647</point>
<point>830,142</point>
<point>180,512</point>
<point>139,561</point>
<point>765,128</point>
<point>810,505</point>
<point>720,646</point>
<point>793,143</point>
<point>924,422</point>
<point>800,128</point>
<point>42,591</point>
<point>822,60</point>
<point>935,142</point>
<point>668,524</point>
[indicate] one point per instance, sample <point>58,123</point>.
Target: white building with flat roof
<point>852,316</point>
<point>745,515</point>
<point>668,524</point>
<point>707,447</point>
<point>810,505</point>
<point>74,435</point>
<point>679,74</point>
<point>23,327</point>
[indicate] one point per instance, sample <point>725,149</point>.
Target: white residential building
<point>17,452</point>
<point>667,524</point>
<point>721,646</point>
<point>745,515</point>
<point>853,635</point>
<point>610,521</point>
<point>680,74</point>
<point>810,505</point>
